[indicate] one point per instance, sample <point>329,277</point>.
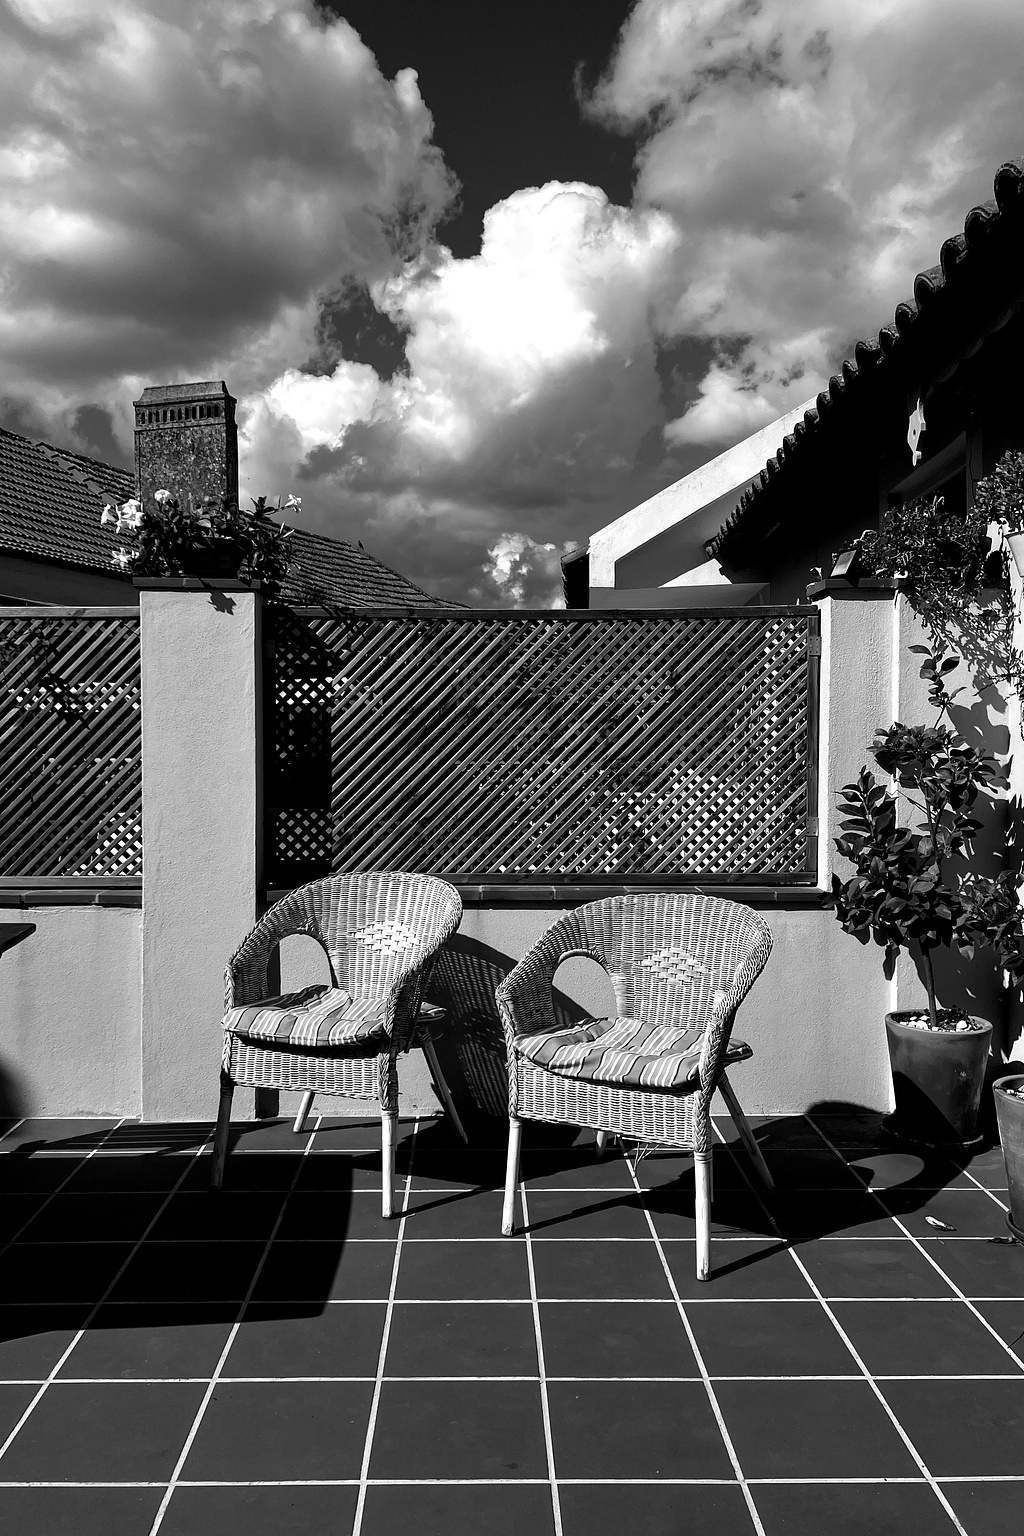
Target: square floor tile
<point>620,1338</point>
<point>459,1429</point>
<point>296,1272</point>
<point>14,1399</point>
<point>586,1214</point>
<point>462,1339</point>
<point>335,1215</point>
<point>970,1212</point>
<point>91,1217</point>
<point>339,1339</point>
<point>1007,1318</point>
<point>454,1214</point>
<point>32,1339</point>
<point>17,1211</point>
<point>600,1271</point>
<point>464,1271</point>
<point>341,1133</point>
<point>133,1175</point>
<point>853,1214</point>
<point>630,1429</point>
<point>852,1509</point>
<point>902,1171</point>
<point>665,1510</point>
<point>870,1267</point>
<point>66,1272</point>
<point>470,1169</point>
<point>78,1511</point>
<point>812,1429</point>
<point>769,1338</point>
<point>507,1509</point>
<point>812,1170</point>
<point>267,1171</point>
<point>554,1170</point>
<point>107,1432</point>
<point>734,1213</point>
<point>963,1428</point>
<point>40,1175</point>
<point>922,1338</point>
<point>340,1172</point>
<point>201,1271</point>
<point>978,1267</point>
<point>987,1509</point>
<point>752,1270</point>
<point>220,1216</point>
<point>271,1135</point>
<point>294,1511</point>
<point>280,1431</point>
<point>150,1342</point>
<point>61,1136</point>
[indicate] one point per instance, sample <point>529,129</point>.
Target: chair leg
<point>702,1180</point>
<point>388,1126</point>
<point>508,1209</point>
<point>741,1123</point>
<point>604,1139</point>
<point>220,1138</point>
<point>304,1109</point>
<point>441,1085</point>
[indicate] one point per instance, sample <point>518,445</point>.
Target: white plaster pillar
<point>201,757</point>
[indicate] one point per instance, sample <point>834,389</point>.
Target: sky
<point>481,277</point>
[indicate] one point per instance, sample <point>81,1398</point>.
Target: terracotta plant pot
<point>1010,1118</point>
<point>937,1076</point>
<point>1014,540</point>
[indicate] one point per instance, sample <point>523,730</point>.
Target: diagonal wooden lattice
<point>543,746</point>
<point>70,746</point>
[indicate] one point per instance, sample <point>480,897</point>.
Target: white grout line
<point>752,1509</point>
<point>830,1314</point>
<point>985,1190</point>
<point>538,1482</point>
<point>371,1423</point>
<point>215,1377</point>
<point>545,1406</point>
<point>1018,1363</point>
<point>96,1305</point>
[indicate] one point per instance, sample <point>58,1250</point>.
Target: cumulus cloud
<point>814,154</point>
<point>184,190</point>
<point>532,383</point>
<point>181,184</point>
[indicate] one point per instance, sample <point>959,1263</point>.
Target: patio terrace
<point>278,1358</point>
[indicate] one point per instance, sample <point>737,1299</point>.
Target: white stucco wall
<point>70,996</point>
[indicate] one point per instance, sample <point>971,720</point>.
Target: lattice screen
<point>70,747</point>
<point>543,746</point>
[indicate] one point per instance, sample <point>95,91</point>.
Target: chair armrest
<point>526,997</point>
<point>245,975</point>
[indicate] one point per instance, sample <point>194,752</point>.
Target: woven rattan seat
<point>380,932</point>
<point>680,966</point>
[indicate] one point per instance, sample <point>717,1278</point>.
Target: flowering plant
<point>215,537</point>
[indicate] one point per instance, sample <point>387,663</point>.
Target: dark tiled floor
<point>279,1358</point>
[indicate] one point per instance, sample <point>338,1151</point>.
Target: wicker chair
<point>380,932</point>
<point>680,967</point>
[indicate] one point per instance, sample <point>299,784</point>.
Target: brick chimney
<point>186,442</point>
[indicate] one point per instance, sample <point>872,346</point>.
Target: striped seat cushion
<point>318,1015</point>
<point>626,1053</point>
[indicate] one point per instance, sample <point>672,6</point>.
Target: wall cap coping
<point>194,584</point>
<point>837,586</point>
<point>574,895</point>
<point>47,896</point>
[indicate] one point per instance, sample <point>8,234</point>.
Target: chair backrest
<point>665,952</point>
<point>374,926</point>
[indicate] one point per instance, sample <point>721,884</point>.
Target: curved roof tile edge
<point>1008,186</point>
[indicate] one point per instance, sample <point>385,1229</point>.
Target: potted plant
<point>214,539</point>
<point>1000,499</point>
<point>1009,1096</point>
<point>913,890</point>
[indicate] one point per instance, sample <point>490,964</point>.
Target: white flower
<point>130,515</point>
<point>162,498</point>
<point>293,503</point>
<point>122,558</point>
<point>109,514</point>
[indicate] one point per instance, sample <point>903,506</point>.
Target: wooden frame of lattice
<point>70,745</point>
<point>522,747</point>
